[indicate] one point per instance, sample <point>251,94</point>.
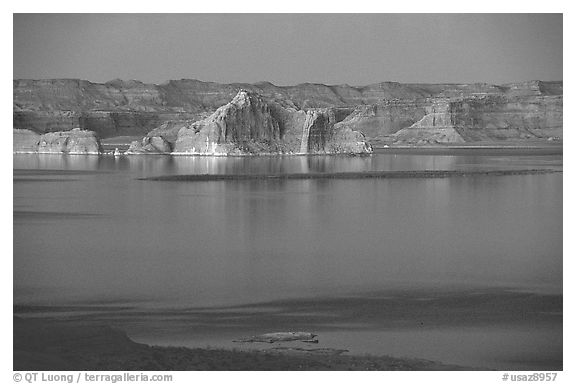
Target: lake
<point>381,266</point>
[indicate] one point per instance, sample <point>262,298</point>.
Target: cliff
<point>379,121</point>
<point>320,134</point>
<point>150,144</point>
<point>436,126</point>
<point>235,127</point>
<point>250,125</point>
<point>75,141</point>
<point>517,111</point>
<point>487,118</point>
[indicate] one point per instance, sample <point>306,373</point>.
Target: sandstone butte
<point>194,117</point>
<point>73,142</point>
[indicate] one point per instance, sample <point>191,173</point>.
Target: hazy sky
<point>290,48</point>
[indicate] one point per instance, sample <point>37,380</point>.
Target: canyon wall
<point>487,118</point>
<point>480,112</point>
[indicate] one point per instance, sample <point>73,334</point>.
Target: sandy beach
<point>52,345</point>
<point>393,330</point>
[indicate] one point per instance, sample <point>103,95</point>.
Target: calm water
<point>86,230</point>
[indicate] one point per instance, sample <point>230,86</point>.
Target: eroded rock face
<point>233,128</point>
<point>502,118</point>
<point>76,141</point>
<point>321,134</point>
<point>169,129</point>
<point>150,145</point>
<point>249,125</point>
<point>484,112</point>
<point>314,131</point>
<point>379,121</point>
<point>435,127</point>
<point>486,118</point>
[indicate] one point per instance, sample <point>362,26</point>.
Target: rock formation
<point>150,144</point>
<point>249,125</point>
<point>435,127</point>
<point>75,141</point>
<point>320,134</point>
<point>278,337</point>
<point>240,126</point>
<point>479,112</point>
<point>487,118</point>
<point>380,120</point>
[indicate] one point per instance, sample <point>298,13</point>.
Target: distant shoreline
<point>540,149</point>
<point>350,175</point>
<point>514,148</point>
<point>484,146</point>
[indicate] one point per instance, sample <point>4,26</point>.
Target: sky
<point>287,49</point>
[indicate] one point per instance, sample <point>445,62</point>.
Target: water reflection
<point>241,241</point>
<point>107,236</point>
<point>154,165</point>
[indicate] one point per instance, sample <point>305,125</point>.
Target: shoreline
<point>376,149</point>
<point>491,328</point>
<point>57,345</point>
<point>350,175</point>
